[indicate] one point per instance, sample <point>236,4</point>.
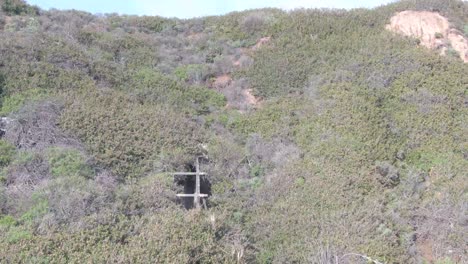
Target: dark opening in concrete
<point>187,183</point>
<point>2,127</point>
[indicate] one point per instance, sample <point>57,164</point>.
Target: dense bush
<point>13,103</point>
<point>7,151</point>
<point>129,137</point>
<point>35,127</point>
<point>67,163</point>
<point>354,148</point>
<point>192,73</point>
<point>17,7</point>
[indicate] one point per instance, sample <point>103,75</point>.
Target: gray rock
<point>4,122</point>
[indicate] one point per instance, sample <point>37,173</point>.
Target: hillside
<point>328,136</point>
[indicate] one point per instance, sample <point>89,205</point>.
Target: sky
<point>195,8</point>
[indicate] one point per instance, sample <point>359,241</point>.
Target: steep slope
<point>356,151</point>
<point>432,29</point>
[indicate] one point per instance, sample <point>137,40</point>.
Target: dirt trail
<point>432,29</point>
<point>238,95</point>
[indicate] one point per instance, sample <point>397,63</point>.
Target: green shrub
<point>67,163</point>
<point>265,256</point>
<point>446,260</point>
<point>40,206</point>
<point>128,137</point>
<point>24,157</point>
<point>14,102</point>
<point>192,73</point>
<point>205,100</point>
<point>17,234</point>
<point>18,7</point>
<point>7,152</point>
<point>453,53</point>
<point>7,221</point>
<point>298,178</point>
<point>438,35</point>
<point>2,85</point>
<point>153,87</point>
<point>88,37</point>
<point>256,171</point>
<point>147,24</point>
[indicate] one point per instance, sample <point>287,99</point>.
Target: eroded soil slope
<point>432,29</point>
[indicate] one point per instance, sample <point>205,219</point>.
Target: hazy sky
<point>194,8</point>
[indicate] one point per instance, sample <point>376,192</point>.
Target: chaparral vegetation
<point>327,137</point>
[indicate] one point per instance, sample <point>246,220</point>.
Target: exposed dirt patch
<point>221,81</point>
<point>249,97</point>
<point>261,42</point>
<point>238,93</point>
<point>432,29</point>
<point>236,63</point>
<point>240,96</point>
<point>245,58</point>
<point>459,43</point>
<point>425,249</point>
<point>8,19</point>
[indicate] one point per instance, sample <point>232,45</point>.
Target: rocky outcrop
<point>432,29</point>
<point>4,122</point>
